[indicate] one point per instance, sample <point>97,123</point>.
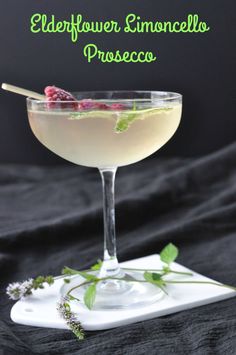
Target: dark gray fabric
<point>50,217</point>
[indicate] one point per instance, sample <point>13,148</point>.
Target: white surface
<point>40,308</point>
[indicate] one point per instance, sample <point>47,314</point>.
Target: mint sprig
<point>126,118</point>
<point>156,277</point>
<point>68,271</point>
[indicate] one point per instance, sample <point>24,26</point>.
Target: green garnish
<point>90,295</point>
<point>97,266</point>
<point>124,119</point>
<point>169,254</point>
<point>156,277</point>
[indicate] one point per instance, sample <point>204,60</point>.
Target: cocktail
<point>107,130</point>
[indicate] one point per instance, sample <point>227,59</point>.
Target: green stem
<point>80,285</point>
<point>134,269</point>
<point>201,282</point>
<point>181,273</point>
<point>89,282</point>
<point>124,279</point>
<point>77,299</point>
<point>159,270</point>
<point>102,279</point>
<point>166,281</point>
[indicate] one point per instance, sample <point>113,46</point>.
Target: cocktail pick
<point>24,92</point>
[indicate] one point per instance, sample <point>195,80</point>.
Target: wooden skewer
<point>23,92</point>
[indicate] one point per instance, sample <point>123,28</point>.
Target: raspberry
<point>101,106</point>
<point>54,94</point>
<point>89,104</point>
<point>58,98</point>
<point>85,104</point>
<point>117,107</point>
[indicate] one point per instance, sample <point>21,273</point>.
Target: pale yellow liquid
<point>92,141</point>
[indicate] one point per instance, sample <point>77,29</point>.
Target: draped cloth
<point>52,216</point>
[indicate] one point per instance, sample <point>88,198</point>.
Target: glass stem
<point>110,264</point>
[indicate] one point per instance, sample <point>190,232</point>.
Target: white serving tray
<point>40,308</point>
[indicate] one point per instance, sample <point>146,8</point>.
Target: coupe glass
<point>117,128</point>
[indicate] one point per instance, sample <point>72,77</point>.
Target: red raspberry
<point>101,106</point>
<point>117,107</point>
<point>54,94</point>
<point>86,104</point>
<point>89,104</point>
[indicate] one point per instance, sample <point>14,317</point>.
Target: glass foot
<point>118,294</point>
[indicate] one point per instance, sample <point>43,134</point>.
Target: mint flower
<point>18,290</point>
<point>70,318</point>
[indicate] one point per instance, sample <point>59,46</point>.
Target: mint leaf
<point>126,118</point>
<point>67,281</point>
<point>89,296</point>
<point>124,121</point>
<point>155,279</point>
<point>169,253</point>
<point>68,271</point>
<point>152,277</point>
<point>49,279</point>
<point>97,266</point>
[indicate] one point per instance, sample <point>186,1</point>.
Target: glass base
<point>118,294</point>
